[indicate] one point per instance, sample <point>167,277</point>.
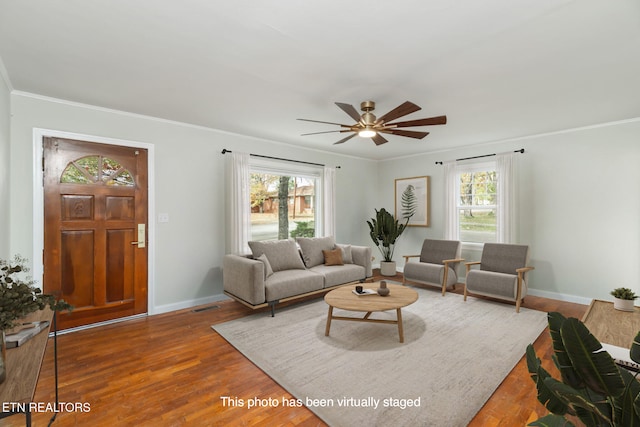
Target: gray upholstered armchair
<point>502,273</point>
<point>437,265</point>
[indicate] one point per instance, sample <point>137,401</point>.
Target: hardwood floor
<point>173,370</point>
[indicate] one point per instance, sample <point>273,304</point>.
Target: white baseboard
<point>560,297</point>
<point>188,304</point>
<point>95,325</point>
<point>157,310</point>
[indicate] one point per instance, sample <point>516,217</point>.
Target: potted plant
<point>623,299</point>
<point>384,230</point>
<point>19,297</point>
<point>592,387</point>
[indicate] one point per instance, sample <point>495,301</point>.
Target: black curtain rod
<point>224,151</point>
<point>484,155</point>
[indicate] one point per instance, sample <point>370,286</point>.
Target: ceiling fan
<point>368,126</point>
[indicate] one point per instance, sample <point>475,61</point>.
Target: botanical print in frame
<point>412,198</point>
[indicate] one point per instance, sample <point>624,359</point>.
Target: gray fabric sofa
<point>281,270</point>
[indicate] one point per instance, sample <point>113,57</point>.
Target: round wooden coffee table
<point>344,298</point>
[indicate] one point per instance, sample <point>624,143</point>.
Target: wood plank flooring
<point>173,370</point>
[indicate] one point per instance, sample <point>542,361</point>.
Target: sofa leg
<point>272,304</point>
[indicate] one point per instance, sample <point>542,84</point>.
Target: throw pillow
<point>312,248</point>
<point>347,257</point>
<point>333,257</point>
<point>282,254</point>
<point>268,271</point>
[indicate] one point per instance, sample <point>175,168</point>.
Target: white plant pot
<point>623,304</point>
<point>388,268</point>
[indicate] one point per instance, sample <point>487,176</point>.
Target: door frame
<point>38,202</point>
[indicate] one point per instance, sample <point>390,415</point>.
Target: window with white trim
<point>276,188</point>
<point>477,203</point>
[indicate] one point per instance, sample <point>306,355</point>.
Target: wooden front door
<point>95,229</point>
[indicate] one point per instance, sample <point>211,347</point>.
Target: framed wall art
<point>412,200</point>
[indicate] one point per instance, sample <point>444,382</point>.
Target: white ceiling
<point>498,69</point>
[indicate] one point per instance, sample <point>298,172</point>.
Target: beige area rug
<point>455,355</point>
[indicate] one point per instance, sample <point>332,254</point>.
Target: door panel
<point>77,270</point>
<point>95,200</point>
<point>119,255</point>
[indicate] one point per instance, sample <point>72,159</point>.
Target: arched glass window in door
<point>97,170</point>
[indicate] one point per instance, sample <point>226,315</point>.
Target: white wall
<point>578,197</point>
<point>579,205</point>
<point>5,119</point>
<point>189,186</point>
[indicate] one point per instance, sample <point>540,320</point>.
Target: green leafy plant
<point>624,293</point>
<point>592,387</point>
<point>304,229</point>
<point>19,296</point>
<point>384,230</point>
<point>409,202</point>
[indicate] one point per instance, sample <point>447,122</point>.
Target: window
<point>477,204</point>
<point>480,200</point>
<point>96,170</point>
<point>284,203</point>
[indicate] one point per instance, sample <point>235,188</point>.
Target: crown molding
<point>520,138</point>
<point>173,122</point>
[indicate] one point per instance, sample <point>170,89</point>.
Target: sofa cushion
<point>347,255</point>
<point>312,248</point>
<point>283,284</point>
<point>339,274</point>
<point>282,254</point>
<point>268,271</point>
<point>333,257</point>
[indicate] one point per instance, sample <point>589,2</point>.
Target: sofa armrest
<point>362,256</point>
<point>244,278</point>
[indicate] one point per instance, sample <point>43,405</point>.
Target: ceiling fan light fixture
<point>367,133</point>
<point>368,126</point>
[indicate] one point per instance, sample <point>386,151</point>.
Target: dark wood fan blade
<point>378,139</point>
<point>350,110</point>
<point>345,139</point>
<point>399,111</point>
<point>439,120</point>
<point>409,133</point>
<point>327,123</point>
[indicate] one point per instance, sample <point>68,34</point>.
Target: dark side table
<point>23,368</point>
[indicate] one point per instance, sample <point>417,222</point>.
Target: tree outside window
<point>477,206</point>
<point>282,206</point>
